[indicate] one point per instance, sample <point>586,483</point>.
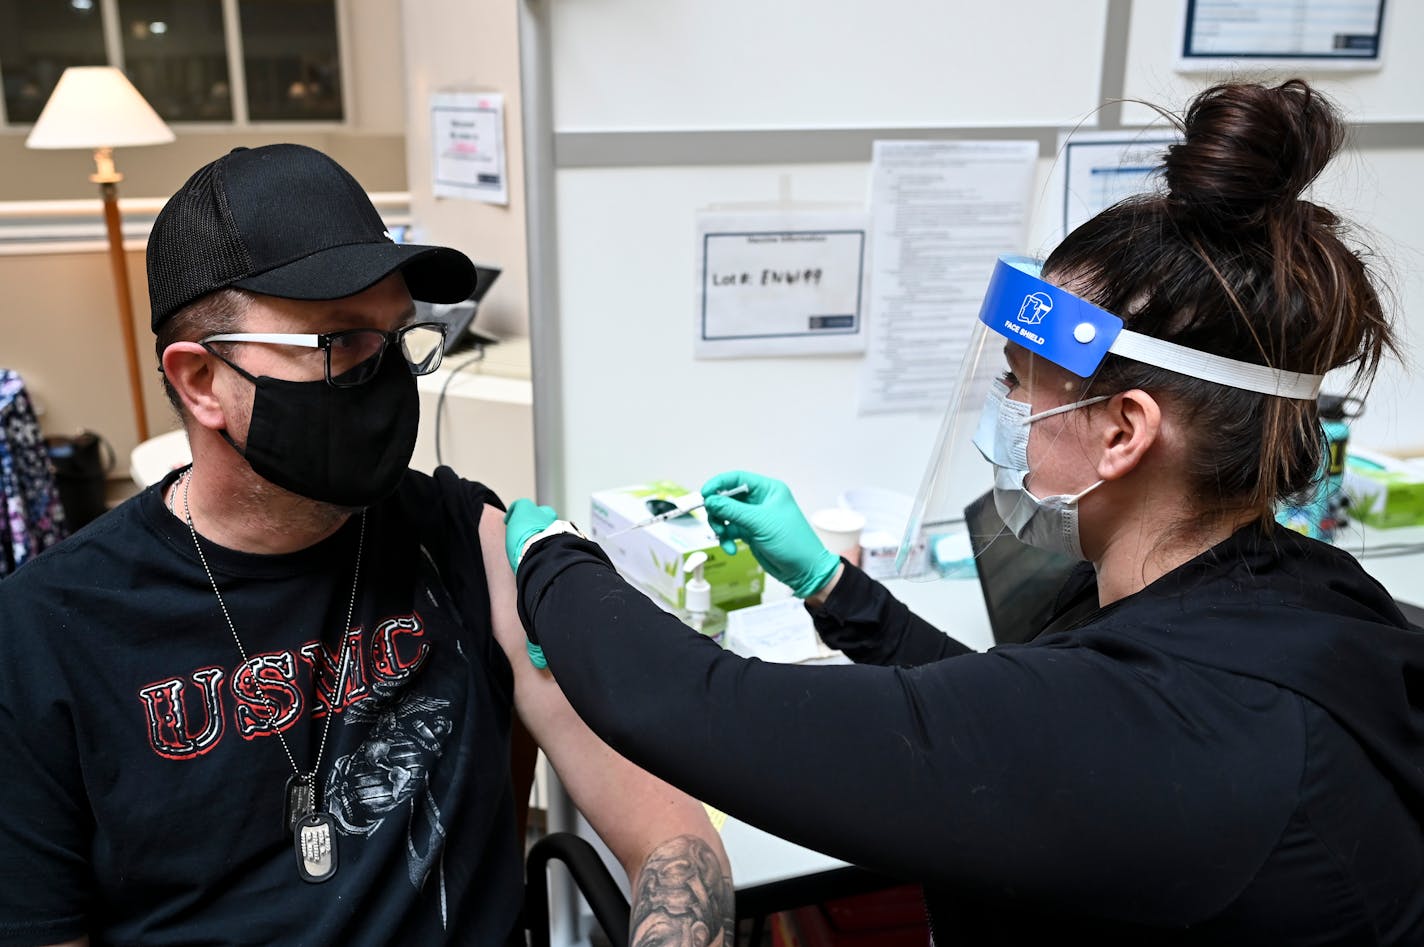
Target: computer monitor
<point>1020,582</point>
<point>458,317</point>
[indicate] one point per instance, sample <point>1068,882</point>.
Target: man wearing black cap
<point>268,699</point>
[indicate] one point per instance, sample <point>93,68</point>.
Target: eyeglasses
<point>354,355</point>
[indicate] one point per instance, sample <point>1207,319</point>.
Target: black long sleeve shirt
<point>1233,755</point>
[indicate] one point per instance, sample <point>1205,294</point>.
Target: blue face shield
<point>1076,335</point>
<point>1023,315</point>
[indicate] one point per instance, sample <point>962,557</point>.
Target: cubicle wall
<point>659,110</point>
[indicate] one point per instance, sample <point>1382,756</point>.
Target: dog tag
<point>315,841</point>
<point>301,801</point>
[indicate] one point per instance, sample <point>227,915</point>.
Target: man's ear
<point>1129,424</point>
<point>189,369</point>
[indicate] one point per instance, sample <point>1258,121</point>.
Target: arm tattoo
<point>683,898</point>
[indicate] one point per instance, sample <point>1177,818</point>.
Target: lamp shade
<point>97,107</point>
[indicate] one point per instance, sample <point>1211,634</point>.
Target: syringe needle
<point>678,511</point>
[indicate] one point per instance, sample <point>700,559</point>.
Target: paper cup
<point>839,530</point>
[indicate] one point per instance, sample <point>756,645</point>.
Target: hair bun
<point>1249,149</point>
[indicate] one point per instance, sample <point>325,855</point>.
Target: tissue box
<point>653,556</point>
<point>1383,491</point>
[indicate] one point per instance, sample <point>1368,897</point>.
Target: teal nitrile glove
<point>768,520</point>
<point>524,519</point>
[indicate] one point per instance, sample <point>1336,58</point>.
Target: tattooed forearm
<point>683,898</point>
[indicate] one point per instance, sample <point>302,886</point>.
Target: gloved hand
<point>768,520</point>
<point>524,519</point>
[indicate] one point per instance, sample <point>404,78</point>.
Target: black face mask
<point>345,446</point>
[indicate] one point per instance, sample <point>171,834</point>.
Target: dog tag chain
<point>313,832</point>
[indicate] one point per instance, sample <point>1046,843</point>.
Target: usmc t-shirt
<point>145,788</point>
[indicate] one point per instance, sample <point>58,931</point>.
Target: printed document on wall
<point>1097,169</point>
<point>468,146</point>
<point>780,282</point>
<point>941,214</point>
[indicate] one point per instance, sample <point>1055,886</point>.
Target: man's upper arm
<point>633,811</point>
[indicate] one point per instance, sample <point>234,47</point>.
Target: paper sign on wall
<point>468,128</point>
<point>780,283</point>
<point>941,213</point>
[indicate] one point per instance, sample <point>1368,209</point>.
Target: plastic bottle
<point>1323,514</point>
<point>698,610</point>
<point>1336,413</point>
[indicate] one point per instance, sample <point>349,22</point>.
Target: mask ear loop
<point>242,372</point>
<point>1064,409</point>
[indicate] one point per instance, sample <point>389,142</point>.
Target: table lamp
<point>97,107</point>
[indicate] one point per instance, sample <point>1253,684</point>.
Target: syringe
<point>678,511</point>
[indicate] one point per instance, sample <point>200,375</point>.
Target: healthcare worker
<point>1218,737</point>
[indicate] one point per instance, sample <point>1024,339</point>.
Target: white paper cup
<point>839,530</point>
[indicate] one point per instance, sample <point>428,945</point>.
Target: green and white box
<point>653,556</point>
<point>1384,491</point>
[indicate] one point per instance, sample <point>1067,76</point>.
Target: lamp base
<point>112,224</point>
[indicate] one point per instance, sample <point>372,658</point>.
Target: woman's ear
<point>189,369</point>
<point>1129,424</point>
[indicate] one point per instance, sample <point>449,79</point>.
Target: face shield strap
<point>1215,368</point>
<point>1076,335</point>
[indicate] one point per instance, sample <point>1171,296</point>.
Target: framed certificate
<point>1313,34</point>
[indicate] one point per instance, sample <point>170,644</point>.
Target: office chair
<point>590,876</point>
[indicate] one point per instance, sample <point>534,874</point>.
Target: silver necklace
<point>313,831</point>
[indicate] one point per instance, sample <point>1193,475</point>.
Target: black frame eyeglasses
<point>353,356</point>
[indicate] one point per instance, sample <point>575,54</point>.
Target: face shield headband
<point>1076,335</point>
<point>1071,333</point>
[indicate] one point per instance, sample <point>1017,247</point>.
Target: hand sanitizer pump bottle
<point>699,612</point>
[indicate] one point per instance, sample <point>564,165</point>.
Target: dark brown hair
<point>1230,260</point>
<point>219,311</point>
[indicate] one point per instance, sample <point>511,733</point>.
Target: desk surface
<point>759,858</point>
<point>1393,556</point>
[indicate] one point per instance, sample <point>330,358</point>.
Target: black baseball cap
<point>285,220</point>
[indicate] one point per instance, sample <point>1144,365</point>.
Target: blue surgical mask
<point>1050,522</point>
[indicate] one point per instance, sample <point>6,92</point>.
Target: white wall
<point>636,64</point>
<point>1379,190</point>
<point>374,63</point>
